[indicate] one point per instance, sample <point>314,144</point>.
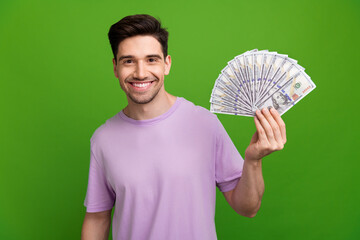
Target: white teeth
<point>141,85</point>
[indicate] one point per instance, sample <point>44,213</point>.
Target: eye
<point>152,60</point>
<point>127,61</point>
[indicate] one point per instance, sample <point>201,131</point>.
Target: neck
<point>159,105</point>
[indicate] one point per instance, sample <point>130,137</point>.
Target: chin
<point>145,97</point>
<point>141,100</point>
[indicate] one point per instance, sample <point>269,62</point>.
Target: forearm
<point>270,136</point>
<point>95,228</point>
<point>248,193</point>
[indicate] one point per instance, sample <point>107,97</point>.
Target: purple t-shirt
<point>161,174</point>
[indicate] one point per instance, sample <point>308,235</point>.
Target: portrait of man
<point>159,160</point>
<point>135,120</point>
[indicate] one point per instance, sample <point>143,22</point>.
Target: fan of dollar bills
<point>259,79</point>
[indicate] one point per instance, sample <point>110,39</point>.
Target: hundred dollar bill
<point>266,67</point>
<point>240,79</point>
<point>258,70</point>
<point>230,75</point>
<point>283,74</point>
<point>249,65</point>
<point>230,88</point>
<point>228,110</point>
<point>221,92</point>
<point>257,79</point>
<point>225,103</point>
<point>241,62</point>
<point>280,69</point>
<point>255,63</point>
<point>292,91</point>
<point>277,61</point>
<point>249,60</point>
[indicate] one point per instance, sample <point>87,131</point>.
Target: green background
<point>57,87</point>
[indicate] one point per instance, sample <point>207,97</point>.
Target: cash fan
<point>259,79</point>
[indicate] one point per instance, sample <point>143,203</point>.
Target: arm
<point>245,199</point>
<point>96,226</point>
<point>270,136</point>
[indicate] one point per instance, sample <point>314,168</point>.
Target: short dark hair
<point>139,24</point>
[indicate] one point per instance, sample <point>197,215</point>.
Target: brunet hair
<point>140,24</point>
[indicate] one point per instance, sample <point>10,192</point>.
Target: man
<point>160,159</point>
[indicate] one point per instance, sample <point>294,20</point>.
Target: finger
<point>266,126</point>
<point>280,122</point>
<point>260,130</point>
<point>274,125</point>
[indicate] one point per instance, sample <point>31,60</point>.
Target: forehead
<point>139,46</point>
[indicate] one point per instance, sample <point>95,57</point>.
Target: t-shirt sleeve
<point>100,195</point>
<point>228,162</point>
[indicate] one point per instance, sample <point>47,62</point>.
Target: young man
<point>160,159</point>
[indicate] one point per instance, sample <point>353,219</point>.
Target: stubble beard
<point>140,100</point>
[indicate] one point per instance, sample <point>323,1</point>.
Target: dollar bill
<point>223,93</point>
<point>241,63</point>
<point>237,83</point>
<point>229,88</point>
<point>283,74</point>
<point>290,93</point>
<point>215,108</point>
<point>258,79</point>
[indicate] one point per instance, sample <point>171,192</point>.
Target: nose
<point>140,71</point>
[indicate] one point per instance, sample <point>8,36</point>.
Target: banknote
<point>221,94</point>
<point>257,79</point>
<point>228,110</point>
<point>226,85</point>
<point>294,89</point>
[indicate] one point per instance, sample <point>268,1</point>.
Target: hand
<point>270,134</point>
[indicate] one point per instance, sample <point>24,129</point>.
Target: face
<point>141,68</point>
<point>279,98</point>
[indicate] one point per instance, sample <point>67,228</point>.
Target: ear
<point>114,65</point>
<point>167,64</point>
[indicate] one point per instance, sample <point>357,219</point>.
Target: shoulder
<point>199,113</point>
<point>107,127</point>
<point>190,106</point>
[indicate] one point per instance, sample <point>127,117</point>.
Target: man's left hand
<point>270,134</point>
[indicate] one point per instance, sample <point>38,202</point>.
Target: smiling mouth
<point>141,85</point>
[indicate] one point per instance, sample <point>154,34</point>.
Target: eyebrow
<point>147,56</point>
<point>127,56</point>
<point>154,55</point>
